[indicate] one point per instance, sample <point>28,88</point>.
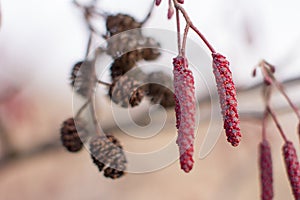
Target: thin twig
<point>267,96</point>
<point>178,30</point>
<point>268,70</point>
<point>104,83</point>
<point>82,108</point>
<point>188,20</point>
<point>89,44</point>
<point>186,30</point>
<point>273,115</point>
<point>148,15</point>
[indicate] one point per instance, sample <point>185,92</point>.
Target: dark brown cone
<point>150,49</point>
<point>126,91</point>
<point>159,89</point>
<point>133,42</point>
<point>99,164</point>
<point>266,170</point>
<point>83,78</point>
<point>124,43</point>
<point>111,139</point>
<point>123,64</point>
<point>107,151</point>
<point>118,23</point>
<point>73,136</point>
<point>292,167</point>
<point>74,72</point>
<point>113,173</point>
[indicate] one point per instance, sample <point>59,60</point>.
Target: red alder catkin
<point>266,170</point>
<point>292,167</point>
<point>227,96</point>
<point>185,109</point>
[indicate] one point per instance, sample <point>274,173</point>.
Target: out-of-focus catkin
<point>185,109</point>
<point>266,170</point>
<point>227,96</point>
<point>292,167</point>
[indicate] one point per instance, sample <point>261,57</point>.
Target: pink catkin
<point>185,109</point>
<point>181,1</point>
<point>292,167</point>
<point>227,96</point>
<point>266,170</point>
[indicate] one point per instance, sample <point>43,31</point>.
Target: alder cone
<point>126,91</point>
<point>107,151</point>
<point>83,78</point>
<point>266,171</point>
<point>73,136</point>
<point>150,48</point>
<point>292,167</point>
<point>121,22</point>
<point>124,43</point>
<point>123,64</point>
<point>113,173</point>
<point>160,89</point>
<point>95,148</point>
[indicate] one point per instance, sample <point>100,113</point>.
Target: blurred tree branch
<point>12,155</point>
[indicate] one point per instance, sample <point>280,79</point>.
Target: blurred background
<point>40,41</point>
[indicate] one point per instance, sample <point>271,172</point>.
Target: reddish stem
<point>267,96</point>
<point>190,23</point>
<point>178,30</point>
<point>281,89</point>
<point>268,70</point>
<point>277,123</point>
<point>186,30</point>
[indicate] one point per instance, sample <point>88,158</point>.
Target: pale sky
<point>47,37</point>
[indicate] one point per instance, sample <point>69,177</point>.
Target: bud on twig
<point>292,167</point>
<point>266,170</point>
<point>227,96</point>
<point>185,109</point>
<point>157,2</point>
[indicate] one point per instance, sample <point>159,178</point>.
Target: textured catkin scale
<point>266,170</point>
<point>227,96</point>
<point>185,108</point>
<point>292,167</point>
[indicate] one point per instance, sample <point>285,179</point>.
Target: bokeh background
<point>41,40</point>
